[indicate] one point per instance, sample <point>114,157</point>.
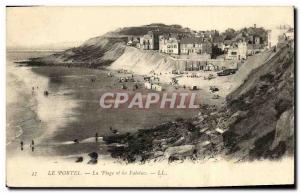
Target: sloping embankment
<point>143,61</point>
<point>96,52</point>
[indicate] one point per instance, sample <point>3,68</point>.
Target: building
<point>257,40</point>
<point>290,34</point>
<point>156,87</point>
<point>169,44</point>
<point>133,41</point>
<point>190,46</point>
<point>237,51</point>
<point>276,33</point>
<point>195,46</point>
<point>147,85</point>
<point>149,41</point>
<point>270,44</point>
<point>153,86</point>
<point>218,41</point>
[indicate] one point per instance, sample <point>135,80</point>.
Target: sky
<point>40,27</point>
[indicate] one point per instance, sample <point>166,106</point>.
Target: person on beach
<point>96,137</point>
<point>32,145</point>
<point>22,145</point>
<point>114,131</point>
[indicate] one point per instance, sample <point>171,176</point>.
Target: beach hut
<point>156,87</point>
<point>147,85</point>
<point>194,87</point>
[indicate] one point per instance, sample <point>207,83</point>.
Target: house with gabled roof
<point>192,45</point>
<point>169,44</point>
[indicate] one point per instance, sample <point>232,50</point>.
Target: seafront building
<point>208,50</point>
<point>238,51</point>
<point>149,41</point>
<point>169,44</point>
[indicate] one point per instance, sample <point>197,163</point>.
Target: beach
<point>71,111</point>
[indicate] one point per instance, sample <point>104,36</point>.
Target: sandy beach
<point>72,107</point>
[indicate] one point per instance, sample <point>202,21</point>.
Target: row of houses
<point>175,44</point>
<point>171,44</point>
<point>208,44</point>
<point>238,51</point>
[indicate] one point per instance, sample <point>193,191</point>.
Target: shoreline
<point>63,149</point>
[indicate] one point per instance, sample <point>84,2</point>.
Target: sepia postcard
<point>157,96</point>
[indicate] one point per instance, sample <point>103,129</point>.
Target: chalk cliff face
<point>143,61</point>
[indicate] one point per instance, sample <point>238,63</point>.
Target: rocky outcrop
<point>284,132</point>
<point>266,95</point>
<point>179,152</point>
<point>94,158</point>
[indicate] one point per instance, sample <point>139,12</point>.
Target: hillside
<point>103,50</point>
<point>257,122</point>
<point>95,52</point>
<point>267,98</point>
<point>142,62</point>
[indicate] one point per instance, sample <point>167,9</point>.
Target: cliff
<point>95,52</point>
<point>143,61</point>
<point>102,50</point>
<point>267,98</point>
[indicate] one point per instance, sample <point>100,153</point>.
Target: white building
<point>273,35</point>
<point>156,87</point>
<point>153,86</point>
<point>147,85</point>
<point>237,52</point>
<point>290,34</point>
<point>168,45</point>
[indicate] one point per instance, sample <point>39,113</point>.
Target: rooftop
<point>191,40</point>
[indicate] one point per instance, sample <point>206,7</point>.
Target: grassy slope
<point>91,54</point>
